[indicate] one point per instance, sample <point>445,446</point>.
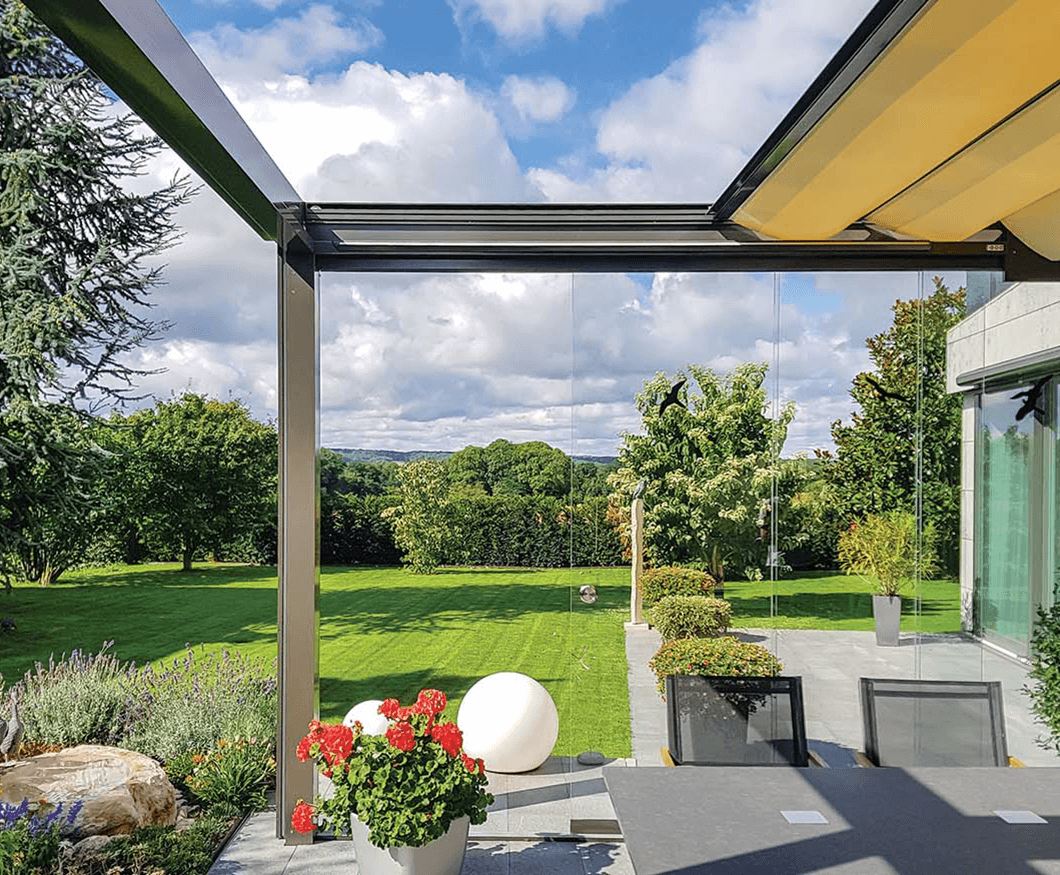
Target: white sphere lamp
<point>368,714</point>
<point>510,721</point>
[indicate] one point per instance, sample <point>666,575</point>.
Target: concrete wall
<point>1022,321</point>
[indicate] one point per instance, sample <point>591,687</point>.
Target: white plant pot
<point>443,856</point>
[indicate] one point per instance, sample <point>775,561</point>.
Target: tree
<point>76,268</point>
<point>421,521</point>
<point>905,410</point>
<point>202,473</point>
<point>504,468</point>
<point>709,465</point>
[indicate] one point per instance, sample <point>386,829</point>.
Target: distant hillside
<point>362,455</point>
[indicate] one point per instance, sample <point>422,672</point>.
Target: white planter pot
<point>443,856</point>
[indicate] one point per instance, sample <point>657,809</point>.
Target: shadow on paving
<point>554,858</point>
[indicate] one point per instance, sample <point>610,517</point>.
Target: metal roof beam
<point>611,238</point>
<point>134,47</point>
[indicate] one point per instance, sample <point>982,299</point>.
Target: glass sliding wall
<point>445,526</point>
<point>1010,450</point>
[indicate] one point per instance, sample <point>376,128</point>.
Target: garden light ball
<point>510,721</point>
<point>373,722</point>
<point>588,594</point>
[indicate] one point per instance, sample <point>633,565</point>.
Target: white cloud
<point>521,20</point>
<point>413,361</point>
<point>538,99</point>
<point>684,134</point>
<point>319,35</point>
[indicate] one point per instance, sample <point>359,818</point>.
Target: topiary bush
<point>690,616</point>
<point>657,583</point>
<point>725,656</point>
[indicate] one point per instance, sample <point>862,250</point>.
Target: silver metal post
<point>298,561</point>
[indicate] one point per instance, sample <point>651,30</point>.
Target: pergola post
<point>298,559</point>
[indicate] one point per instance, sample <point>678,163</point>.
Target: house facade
<point>1004,358</point>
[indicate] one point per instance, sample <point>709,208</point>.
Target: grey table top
<point>923,821</point>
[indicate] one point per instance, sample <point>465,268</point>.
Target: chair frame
<point>790,686</point>
<point>986,691</point>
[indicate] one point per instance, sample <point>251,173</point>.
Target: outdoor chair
<point>735,721</point>
<point>933,723</point>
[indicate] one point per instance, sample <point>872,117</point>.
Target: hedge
<point>530,531</point>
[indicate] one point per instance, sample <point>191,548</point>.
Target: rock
<point>591,758</point>
<point>86,849</point>
<point>121,790</point>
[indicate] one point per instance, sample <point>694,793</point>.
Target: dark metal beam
<point>617,238</point>
<point>134,47</point>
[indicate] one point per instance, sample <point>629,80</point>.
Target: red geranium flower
<point>303,749</point>
<point>337,742</point>
<point>389,708</point>
<point>469,763</point>
<point>402,736</point>
<point>430,702</point>
<point>449,736</point>
<point>302,817</point>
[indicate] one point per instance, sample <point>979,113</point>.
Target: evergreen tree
<point>78,251</point>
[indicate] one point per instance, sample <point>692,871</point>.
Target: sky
<point>508,101</point>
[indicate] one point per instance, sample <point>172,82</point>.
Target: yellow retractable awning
<point>954,126</point>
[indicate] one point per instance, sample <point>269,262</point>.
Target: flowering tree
<point>708,462</point>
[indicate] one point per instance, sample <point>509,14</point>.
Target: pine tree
<point>78,258</point>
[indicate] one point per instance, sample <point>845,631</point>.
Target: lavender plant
<point>194,702</point>
<point>78,699</point>
<point>29,840</point>
<point>184,707</point>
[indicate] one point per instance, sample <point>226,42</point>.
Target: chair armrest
<point>667,760</point>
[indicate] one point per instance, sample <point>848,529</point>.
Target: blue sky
<point>508,100</point>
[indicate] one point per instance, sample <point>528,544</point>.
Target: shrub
<point>884,546</point>
<point>725,656</point>
<point>77,700</point>
<point>657,583</point>
<point>690,616</point>
<point>234,777</point>
<point>1044,691</point>
<point>193,703</point>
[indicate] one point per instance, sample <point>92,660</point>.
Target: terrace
<point>837,187</point>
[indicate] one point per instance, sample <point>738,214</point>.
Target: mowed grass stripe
<point>383,632</point>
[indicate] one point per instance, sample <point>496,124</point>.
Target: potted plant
<point>407,798</point>
<point>712,687</point>
<point>884,546</point>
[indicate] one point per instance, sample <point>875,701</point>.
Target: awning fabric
<point>953,127</point>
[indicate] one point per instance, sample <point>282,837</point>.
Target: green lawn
<point>383,632</point>
<point>827,600</point>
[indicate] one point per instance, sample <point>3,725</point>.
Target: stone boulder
<point>121,790</point>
